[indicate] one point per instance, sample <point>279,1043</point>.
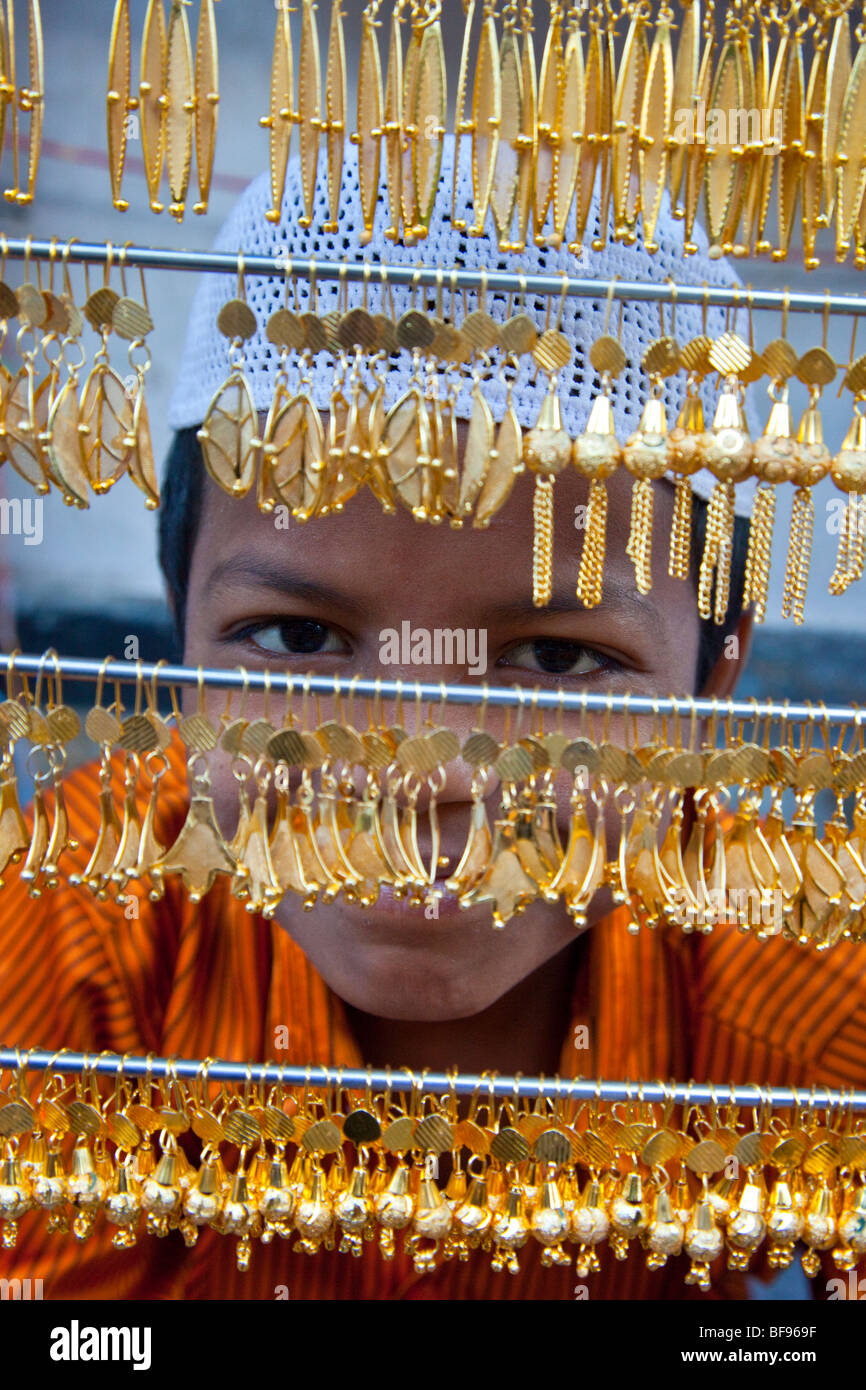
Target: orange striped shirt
<point>211,980</point>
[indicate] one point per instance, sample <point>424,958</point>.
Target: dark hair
<point>180,510</point>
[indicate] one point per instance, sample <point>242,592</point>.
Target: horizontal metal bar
<point>401,1079</point>
<point>359,271</point>
<point>365,687</point>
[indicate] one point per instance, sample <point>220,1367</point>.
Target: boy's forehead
<point>364,558</point>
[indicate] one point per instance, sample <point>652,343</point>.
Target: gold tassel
<point>639,547</point>
<point>542,542</point>
<point>848,471</point>
<point>647,455</point>
<point>716,561</point>
<point>681,530</point>
<point>799,555</point>
<point>759,554</point>
<point>591,573</point>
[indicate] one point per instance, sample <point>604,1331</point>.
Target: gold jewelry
<point>228,435</point>
<point>206,101</point>
<point>119,99</point>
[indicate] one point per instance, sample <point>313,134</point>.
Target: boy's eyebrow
<point>281,578</point>
<point>620,596</point>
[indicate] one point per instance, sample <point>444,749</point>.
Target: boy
<point>395,984</point>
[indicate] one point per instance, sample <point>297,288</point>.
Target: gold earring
<point>152,101</point>
<point>597,455</point>
<point>206,101</point>
<point>546,451</point>
<point>228,436</point>
<point>179,109</point>
<point>119,100</point>
<point>848,471</point>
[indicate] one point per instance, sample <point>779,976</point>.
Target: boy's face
<point>320,598</point>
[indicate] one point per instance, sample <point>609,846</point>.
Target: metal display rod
<point>366,687</point>
<point>221,262</point>
<point>357,1079</point>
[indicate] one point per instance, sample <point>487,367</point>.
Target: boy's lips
<point>446,905</point>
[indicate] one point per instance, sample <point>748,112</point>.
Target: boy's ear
<point>726,673</point>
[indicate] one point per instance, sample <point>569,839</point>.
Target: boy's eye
<point>555,657</point>
<point>297,637</point>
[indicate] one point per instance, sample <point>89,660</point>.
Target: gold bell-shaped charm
<point>238,1218</point>
<point>852,1229</point>
<point>430,1223</point>
<point>15,1198</point>
<point>123,1208</point>
<point>546,451</point>
<point>664,1234</point>
<point>784,1222</point>
<point>353,1209</point>
<point>510,1231</point>
<point>161,1194</point>
<point>746,1226</point>
<point>686,441</point>
<point>819,1228</point>
<point>314,1214</point>
<point>597,455</point>
<point>628,1214</point>
<point>590,1225</point>
<point>86,1188</point>
<point>549,1222</point>
<point>276,1201</point>
<point>49,1190</point>
<point>394,1208</point>
<point>201,1205</point>
<point>473,1217</point>
<point>811,464</point>
<point>722,1196</point>
<point>704,1242</point>
<point>647,455</point>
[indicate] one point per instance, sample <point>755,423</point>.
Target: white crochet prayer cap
<point>205,362</point>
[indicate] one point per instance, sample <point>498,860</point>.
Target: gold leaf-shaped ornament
<point>461,126</point>
<point>150,103</point>
<point>728,99</point>
<point>505,463</point>
<point>549,106</point>
<point>64,446</point>
<point>628,95</point>
<point>228,436</point>
<point>486,117</point>
<point>179,108</point>
<point>686,65</point>
<point>280,118</point>
<point>309,106</point>
<point>406,441</point>
<point>368,133</point>
<point>24,406</point>
<point>528,136</point>
<point>206,101</point>
<point>410,132</point>
<point>655,121</point>
<point>118,99</point>
<point>393,127</point>
<point>507,164</point>
<point>835,87</point>
<point>479,452</point>
<point>431,105</point>
<point>570,124</point>
<point>106,421</point>
<point>851,175</point>
<point>336,106</point>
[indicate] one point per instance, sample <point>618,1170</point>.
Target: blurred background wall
<point>94,577</point>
